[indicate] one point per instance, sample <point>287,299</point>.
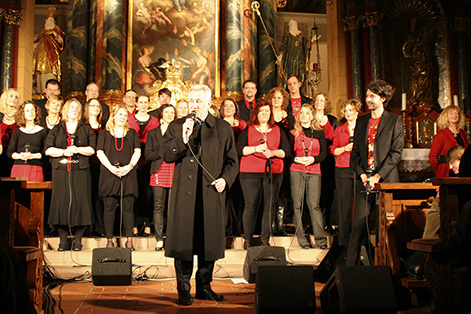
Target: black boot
<point>278,226</point>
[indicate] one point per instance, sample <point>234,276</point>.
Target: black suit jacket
<point>388,146</point>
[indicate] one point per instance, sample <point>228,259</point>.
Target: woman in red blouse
<point>451,123</point>
<point>229,111</point>
<point>344,175</point>
<point>262,145</point>
<point>161,178</point>
<point>309,150</point>
<point>142,123</point>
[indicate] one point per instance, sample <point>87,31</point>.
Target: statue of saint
<point>418,49</point>
<point>293,51</point>
<point>46,57</point>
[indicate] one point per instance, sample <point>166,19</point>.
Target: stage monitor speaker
<point>285,289</point>
<point>329,263</point>
<point>359,289</point>
<point>262,256</point>
<point>111,267</point>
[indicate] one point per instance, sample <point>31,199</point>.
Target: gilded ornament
<point>10,16</point>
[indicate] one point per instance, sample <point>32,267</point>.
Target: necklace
<point>116,143</point>
<point>52,124</point>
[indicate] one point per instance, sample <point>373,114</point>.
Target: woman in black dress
<point>27,143</point>
<point>69,144</point>
<point>118,150</point>
<point>92,115</point>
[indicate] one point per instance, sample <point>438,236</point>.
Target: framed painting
<point>176,35</point>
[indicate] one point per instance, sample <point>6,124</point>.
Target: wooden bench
<point>25,230</point>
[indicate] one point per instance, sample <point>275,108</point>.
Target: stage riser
<point>145,256</point>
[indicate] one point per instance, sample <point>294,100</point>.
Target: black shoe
<point>305,246</point>
<point>323,247</point>
<point>185,298</point>
<point>208,294</point>
<point>62,248</point>
<point>78,247</point>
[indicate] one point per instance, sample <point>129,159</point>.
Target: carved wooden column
<point>266,56</point>
<point>352,24</point>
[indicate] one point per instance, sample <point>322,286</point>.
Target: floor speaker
<point>285,289</point>
<point>262,256</point>
<point>359,289</point>
<point>111,267</point>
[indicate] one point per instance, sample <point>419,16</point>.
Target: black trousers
<point>344,180</point>
<point>363,205</point>
<point>203,277</point>
<point>110,203</point>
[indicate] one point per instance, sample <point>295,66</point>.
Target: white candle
<point>455,100</point>
<point>404,101</point>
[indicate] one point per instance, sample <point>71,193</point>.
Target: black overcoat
<point>217,153</point>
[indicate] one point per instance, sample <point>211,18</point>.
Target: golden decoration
<point>10,16</point>
<point>281,3</point>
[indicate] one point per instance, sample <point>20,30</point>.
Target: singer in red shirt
<point>262,145</point>
<point>344,175</point>
<point>309,150</point>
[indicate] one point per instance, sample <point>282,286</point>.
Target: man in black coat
<point>249,88</point>
<point>206,164</point>
<point>377,149</point>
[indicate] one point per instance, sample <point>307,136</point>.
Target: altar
<point>414,165</point>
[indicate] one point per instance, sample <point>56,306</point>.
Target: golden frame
<point>187,35</point>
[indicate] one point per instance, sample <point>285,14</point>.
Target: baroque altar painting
<point>176,35</point>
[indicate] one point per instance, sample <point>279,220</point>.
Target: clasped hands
<point>70,151</point>
<point>121,171</point>
<point>25,156</point>
<point>263,148</point>
<point>306,161</point>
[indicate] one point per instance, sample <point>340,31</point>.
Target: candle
<point>404,101</point>
<point>455,100</point>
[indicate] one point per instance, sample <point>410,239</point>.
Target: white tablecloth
<point>415,160</point>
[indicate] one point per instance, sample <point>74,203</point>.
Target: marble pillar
<point>92,38</point>
<point>463,66</point>
<point>252,58</point>
<point>6,65</point>
<point>113,30</point>
<point>233,46</point>
<point>77,48</point>
<point>375,53</point>
<point>357,72</point>
<point>266,56</point>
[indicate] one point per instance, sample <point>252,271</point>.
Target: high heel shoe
<point>147,231</point>
<point>135,231</point>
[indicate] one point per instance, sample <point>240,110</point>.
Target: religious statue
<point>418,49</point>
<point>293,53</point>
<point>173,82</point>
<point>46,57</point>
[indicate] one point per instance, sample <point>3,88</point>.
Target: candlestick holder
<point>407,142</point>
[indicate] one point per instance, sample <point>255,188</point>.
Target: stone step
<point>69,264</point>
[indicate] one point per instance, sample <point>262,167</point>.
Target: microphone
<point>193,115</point>
<point>27,147</point>
<point>262,141</point>
<point>306,150</point>
<point>369,171</point>
<point>72,139</point>
<point>350,139</point>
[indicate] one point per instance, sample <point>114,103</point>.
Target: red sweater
<point>442,142</point>
<point>255,163</point>
<point>341,139</point>
<point>153,123</point>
